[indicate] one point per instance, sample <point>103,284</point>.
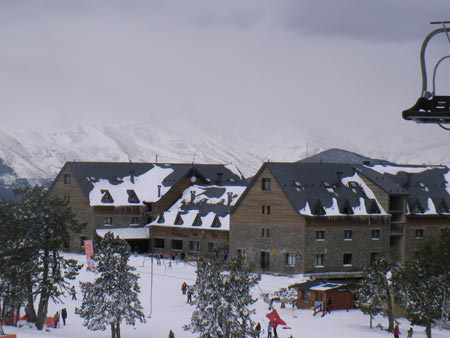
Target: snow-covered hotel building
<point>324,219</point>
<point>330,220</point>
<point>155,207</point>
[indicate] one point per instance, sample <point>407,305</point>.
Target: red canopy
<point>275,318</point>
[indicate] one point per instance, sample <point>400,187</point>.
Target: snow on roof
<point>203,207</point>
<point>148,187</point>
<point>126,233</point>
<point>394,170</point>
<point>326,286</point>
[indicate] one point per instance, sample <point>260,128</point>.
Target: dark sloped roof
<point>421,183</point>
<point>317,185</point>
<point>88,172</point>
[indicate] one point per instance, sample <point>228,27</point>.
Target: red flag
<point>275,318</point>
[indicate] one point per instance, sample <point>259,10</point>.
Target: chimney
<point>159,190</point>
<point>192,196</point>
<point>408,180</point>
<point>219,178</point>
<point>339,177</point>
<point>230,197</point>
<point>132,176</point>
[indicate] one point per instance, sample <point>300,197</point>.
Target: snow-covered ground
<point>167,309</point>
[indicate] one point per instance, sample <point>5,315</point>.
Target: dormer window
<point>106,198</point>
<point>179,220</point>
<point>132,197</point>
<point>216,222</point>
<point>318,209</point>
<point>372,207</point>
<point>197,221</point>
<point>442,207</point>
<point>161,218</point>
<point>346,208</point>
<point>415,207</point>
<point>353,184</point>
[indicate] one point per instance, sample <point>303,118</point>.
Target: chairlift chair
<point>431,108</point>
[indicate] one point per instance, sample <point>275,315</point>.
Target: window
<point>320,235</point>
<point>373,257</point>
<point>266,184</point>
<point>194,245</point>
<point>266,209</point>
<point>318,261</point>
<point>265,232</point>
<point>158,243</point>
<point>241,253</point>
<point>262,232</point>
<point>348,235</point>
<point>177,244</point>
<point>66,178</point>
<point>290,259</point>
<point>376,234</point>
<point>134,221</point>
<point>347,259</point>
<point>419,233</point>
<point>107,220</point>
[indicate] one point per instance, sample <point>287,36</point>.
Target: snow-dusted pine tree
<point>113,297</point>
<point>423,284</point>
<point>223,299</point>
<point>42,223</point>
<point>375,294</point>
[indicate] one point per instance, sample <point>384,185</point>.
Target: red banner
<point>275,318</point>
<point>89,251</point>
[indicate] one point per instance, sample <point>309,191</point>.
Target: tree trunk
<point>113,331</point>
<point>30,305</point>
<point>118,330</point>
<point>390,312</point>
<point>42,311</point>
<point>428,330</point>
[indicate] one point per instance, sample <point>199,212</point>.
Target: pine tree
<point>113,297</point>
<point>423,284</point>
<point>375,294</point>
<point>42,224</point>
<point>222,299</point>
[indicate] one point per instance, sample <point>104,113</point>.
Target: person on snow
<point>257,330</point>
<point>64,315</point>
<point>183,288</point>
<point>269,330</point>
<point>171,334</point>
<point>73,292</point>
<point>189,296</point>
<point>410,333</point>
<point>56,319</point>
<point>396,331</point>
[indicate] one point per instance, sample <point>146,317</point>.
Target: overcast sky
<point>342,68</point>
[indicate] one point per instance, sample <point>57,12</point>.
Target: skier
<point>396,331</point>
<point>410,333</point>
<point>73,292</point>
<point>64,315</point>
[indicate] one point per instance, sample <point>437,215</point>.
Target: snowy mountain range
<point>37,156</point>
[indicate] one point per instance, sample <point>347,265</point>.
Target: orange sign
<point>89,251</point>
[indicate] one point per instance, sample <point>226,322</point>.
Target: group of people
<point>396,332</point>
<point>57,316</point>
<point>186,291</point>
